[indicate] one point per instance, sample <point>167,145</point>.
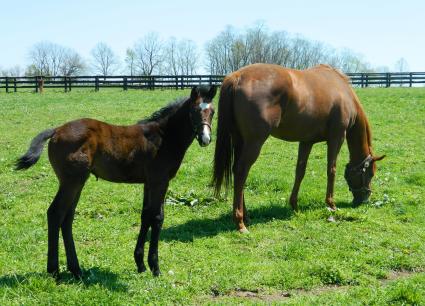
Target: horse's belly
<point>299,131</point>
<point>118,172</point>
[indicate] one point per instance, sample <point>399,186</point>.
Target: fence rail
<point>38,83</point>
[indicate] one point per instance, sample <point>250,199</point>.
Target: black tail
<point>34,151</point>
<point>224,150</point>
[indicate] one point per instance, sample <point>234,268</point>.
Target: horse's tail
<point>34,151</point>
<point>224,148</point>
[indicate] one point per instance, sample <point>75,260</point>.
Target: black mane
<point>165,112</point>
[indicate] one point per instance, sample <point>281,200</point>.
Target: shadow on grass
<point>317,205</point>
<point>91,277</point>
<point>207,227</point>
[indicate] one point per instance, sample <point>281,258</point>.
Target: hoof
<point>78,275</point>
<point>141,269</point>
<point>333,209</point>
<point>331,219</point>
<point>243,231</point>
<point>54,273</point>
<point>156,272</point>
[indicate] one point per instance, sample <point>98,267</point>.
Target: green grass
<point>373,254</point>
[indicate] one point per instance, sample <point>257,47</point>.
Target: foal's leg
<point>144,228</point>
<point>156,216</point>
<point>304,150</point>
<point>61,205</point>
<point>68,240</point>
<point>244,159</point>
<point>334,145</point>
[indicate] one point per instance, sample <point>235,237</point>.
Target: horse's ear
<point>376,158</point>
<point>212,92</point>
<point>195,93</point>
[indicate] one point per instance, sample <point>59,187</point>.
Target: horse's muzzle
<point>204,138</point>
<point>361,197</point>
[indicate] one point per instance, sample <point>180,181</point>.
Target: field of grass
<point>372,254</point>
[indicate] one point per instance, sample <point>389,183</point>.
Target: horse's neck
<point>178,133</point>
<point>358,140</point>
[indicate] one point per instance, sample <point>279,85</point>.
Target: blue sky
<point>382,31</point>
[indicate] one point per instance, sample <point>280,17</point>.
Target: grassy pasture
<point>373,254</point>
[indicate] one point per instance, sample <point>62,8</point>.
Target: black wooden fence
<point>37,83</point>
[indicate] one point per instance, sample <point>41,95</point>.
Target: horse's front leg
<point>304,150</point>
<point>156,217</point>
<point>144,228</point>
<point>334,145</point>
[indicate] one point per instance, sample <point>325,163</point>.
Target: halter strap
<point>361,168</point>
<point>363,165</point>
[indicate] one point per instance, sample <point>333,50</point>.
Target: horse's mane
<point>164,113</point>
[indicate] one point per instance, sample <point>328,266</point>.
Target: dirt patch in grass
<point>262,296</point>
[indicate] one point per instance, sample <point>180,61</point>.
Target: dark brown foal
<point>149,152</point>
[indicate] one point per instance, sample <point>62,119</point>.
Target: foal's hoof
<point>141,269</point>
<point>54,273</point>
<point>156,272</point>
<point>78,275</point>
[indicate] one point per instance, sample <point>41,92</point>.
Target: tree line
<point>228,51</point>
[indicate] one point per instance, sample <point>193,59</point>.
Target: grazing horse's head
<point>359,176</point>
<point>202,112</point>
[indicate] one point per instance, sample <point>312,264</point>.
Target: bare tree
<point>401,65</point>
<point>130,60</point>
<point>187,57</point>
<point>171,57</point>
<point>220,50</point>
<point>50,59</point>
<point>104,61</point>
<point>230,50</point>
<point>149,54</point>
<point>72,64</point>
<point>14,71</point>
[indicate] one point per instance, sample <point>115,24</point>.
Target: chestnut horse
<point>149,152</point>
<point>308,106</point>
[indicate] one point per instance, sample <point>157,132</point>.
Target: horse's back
<point>294,105</point>
<point>111,152</point>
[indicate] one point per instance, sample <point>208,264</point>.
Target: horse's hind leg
<point>245,156</point>
<point>304,150</point>
<point>58,210</point>
<point>68,240</point>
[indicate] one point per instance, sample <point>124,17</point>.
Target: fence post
<point>40,84</point>
<point>410,79</point>
<point>388,83</point>
<point>36,83</point>
<point>177,83</point>
<point>367,80</point>
<point>125,84</point>
<point>7,84</point>
<point>65,83</point>
<point>15,89</point>
<point>96,83</point>
<point>152,85</point>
